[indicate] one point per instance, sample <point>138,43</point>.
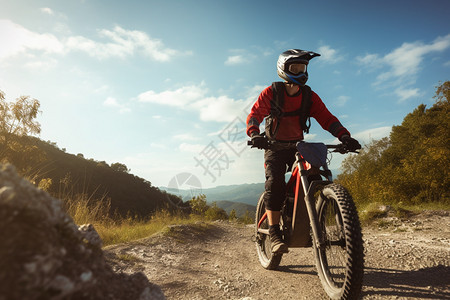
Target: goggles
<point>297,68</point>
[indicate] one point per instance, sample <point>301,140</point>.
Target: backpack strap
<point>276,110</point>
<point>277,102</point>
<point>305,119</point>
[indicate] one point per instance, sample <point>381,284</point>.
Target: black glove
<point>350,143</point>
<point>259,141</point>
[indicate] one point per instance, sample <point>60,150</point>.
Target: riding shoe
<point>276,240</point>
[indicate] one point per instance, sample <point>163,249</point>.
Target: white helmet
<point>297,73</point>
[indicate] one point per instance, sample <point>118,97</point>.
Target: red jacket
<point>289,128</point>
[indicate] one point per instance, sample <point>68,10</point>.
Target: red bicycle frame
<point>298,231</point>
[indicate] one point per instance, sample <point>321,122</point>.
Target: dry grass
<point>375,211</point>
<point>115,230</point>
<point>131,229</point>
<point>84,210</point>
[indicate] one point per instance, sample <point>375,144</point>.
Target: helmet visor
<point>297,68</point>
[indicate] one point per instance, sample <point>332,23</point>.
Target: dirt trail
<point>404,260</point>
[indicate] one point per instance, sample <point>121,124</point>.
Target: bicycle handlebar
<point>341,148</point>
<point>338,148</point>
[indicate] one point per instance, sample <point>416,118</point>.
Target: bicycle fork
<point>309,191</point>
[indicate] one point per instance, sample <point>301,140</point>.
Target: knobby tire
<point>340,261</point>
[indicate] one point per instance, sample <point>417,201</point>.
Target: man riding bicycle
<point>285,123</point>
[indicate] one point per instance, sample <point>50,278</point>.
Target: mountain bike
<point>321,214</point>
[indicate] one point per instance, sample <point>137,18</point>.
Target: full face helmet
<point>292,65</point>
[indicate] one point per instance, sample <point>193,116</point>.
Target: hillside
<point>244,193</point>
<point>240,208</point>
<point>68,176</point>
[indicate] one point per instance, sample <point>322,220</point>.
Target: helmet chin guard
<point>300,79</point>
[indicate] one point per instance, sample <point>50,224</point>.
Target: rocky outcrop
<point>44,255</point>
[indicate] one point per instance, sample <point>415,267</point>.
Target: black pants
<point>277,161</point>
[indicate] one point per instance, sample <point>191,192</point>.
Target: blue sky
<point>164,86</point>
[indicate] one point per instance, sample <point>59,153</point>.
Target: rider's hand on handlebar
<point>259,141</point>
<point>350,143</point>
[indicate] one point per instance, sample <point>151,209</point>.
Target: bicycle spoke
<point>335,244</point>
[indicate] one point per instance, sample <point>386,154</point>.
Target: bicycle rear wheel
<point>340,259</point>
<point>263,245</point>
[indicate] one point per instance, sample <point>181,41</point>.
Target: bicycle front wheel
<point>340,259</point>
<point>267,259</point>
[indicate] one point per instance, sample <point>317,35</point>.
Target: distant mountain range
<point>240,197</point>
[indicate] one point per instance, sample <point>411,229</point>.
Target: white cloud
<point>194,97</point>
<point>112,102</point>
<point>407,59</point>
<point>219,109</point>
<point>403,64</point>
<point>372,60</point>
<point>17,39</point>
<point>342,100</point>
<point>47,10</point>
<point>122,43</point>
<point>243,56</point>
<point>182,97</point>
<point>119,42</point>
<point>235,60</point>
<point>368,135</point>
<point>405,94</point>
<point>246,56</point>
<point>57,15</point>
<point>329,55</point>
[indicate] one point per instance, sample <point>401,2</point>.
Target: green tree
<point>362,173</point>
<point>232,216</point>
<point>18,118</point>
<point>412,165</point>
<point>247,218</point>
<point>198,205</point>
<point>17,122</point>
<point>215,213</point>
<point>443,92</point>
<point>420,153</point>
<point>120,167</point>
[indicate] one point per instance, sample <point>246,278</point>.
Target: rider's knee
<point>275,190</point>
<point>273,205</point>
